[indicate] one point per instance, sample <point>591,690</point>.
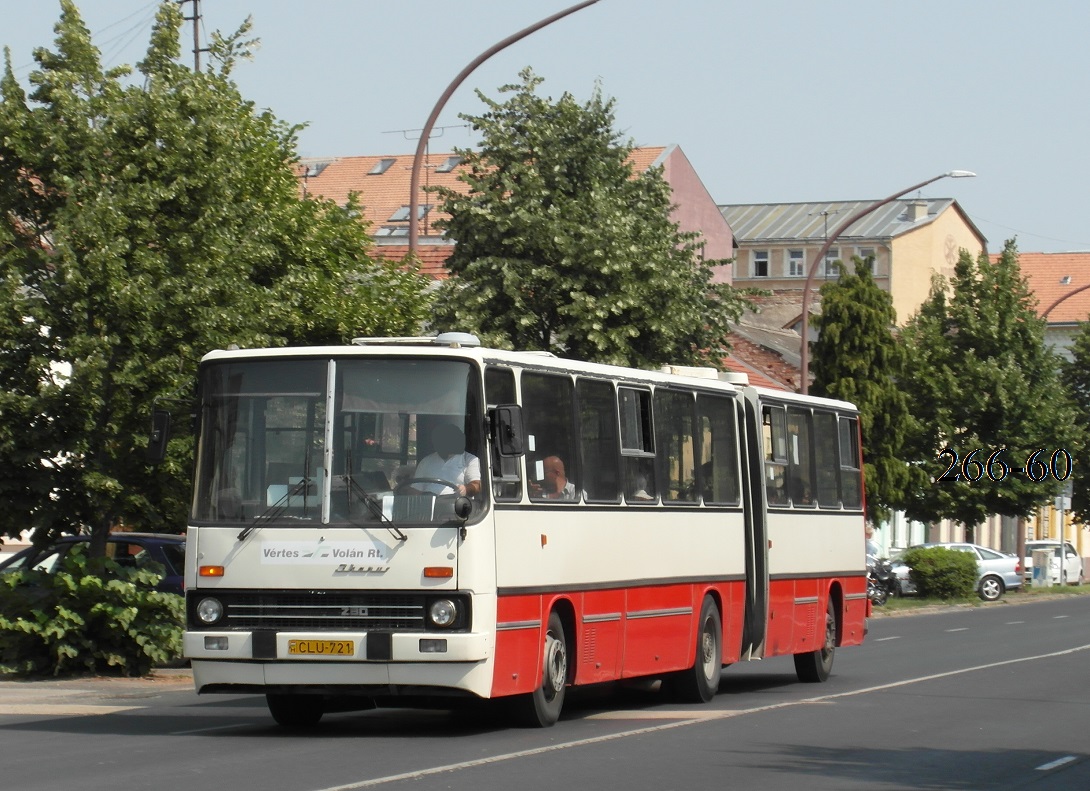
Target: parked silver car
<point>1073,572</point>
<point>997,572</point>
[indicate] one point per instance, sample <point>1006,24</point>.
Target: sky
<point>772,101</point>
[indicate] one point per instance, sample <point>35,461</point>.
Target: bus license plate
<point>321,647</point>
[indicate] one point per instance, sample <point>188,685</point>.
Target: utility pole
<point>196,20</point>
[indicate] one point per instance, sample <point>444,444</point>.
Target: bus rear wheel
<point>699,683</point>
<point>295,711</point>
<point>815,666</point>
<point>541,708</point>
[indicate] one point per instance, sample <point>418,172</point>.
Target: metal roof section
<point>812,222</point>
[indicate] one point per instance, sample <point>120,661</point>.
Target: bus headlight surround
<point>443,613</point>
<point>209,611</point>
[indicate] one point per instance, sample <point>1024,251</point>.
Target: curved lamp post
<point>804,348</point>
<point>421,146</point>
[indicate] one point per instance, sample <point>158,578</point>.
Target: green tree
<point>856,358</point>
<point>144,222</point>
<point>982,385</point>
<point>561,248</point>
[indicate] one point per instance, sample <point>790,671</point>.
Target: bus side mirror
<point>160,433</point>
<point>507,431</point>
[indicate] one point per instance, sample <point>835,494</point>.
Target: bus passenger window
<point>774,435</point>
<point>676,436</point>
<point>850,472</point>
<point>828,462</point>
<point>637,446</point>
<point>718,450</point>
<point>549,411</point>
<point>599,441</point>
<point>800,476</point>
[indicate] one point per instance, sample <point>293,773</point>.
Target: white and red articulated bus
<point>404,520</point>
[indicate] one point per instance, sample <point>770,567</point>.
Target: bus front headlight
<point>209,611</point>
<point>443,613</point>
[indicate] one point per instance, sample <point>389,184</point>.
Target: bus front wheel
<point>295,711</point>
<point>541,708</point>
<point>815,666</point>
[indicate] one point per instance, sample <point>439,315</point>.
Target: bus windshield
<point>291,442</point>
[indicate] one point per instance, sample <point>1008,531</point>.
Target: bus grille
<point>310,611</point>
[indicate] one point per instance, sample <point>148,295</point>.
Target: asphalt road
<point>976,699</point>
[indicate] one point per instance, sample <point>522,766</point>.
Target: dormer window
<point>450,164</point>
<point>381,166</point>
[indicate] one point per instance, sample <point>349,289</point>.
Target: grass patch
<point>897,604</point>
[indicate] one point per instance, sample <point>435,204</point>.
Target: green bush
<point>941,573</point>
<point>87,616</point>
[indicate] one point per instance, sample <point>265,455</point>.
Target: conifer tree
<point>857,358</point>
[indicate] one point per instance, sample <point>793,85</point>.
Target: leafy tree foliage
<point>144,222</point>
<point>561,248</point>
<point>980,379</point>
<point>856,358</point>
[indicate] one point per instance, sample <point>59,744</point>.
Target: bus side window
<point>718,450</point>
<point>549,412</point>
<point>850,468</point>
<point>774,435</point>
<point>675,434</point>
<point>800,476</point>
<point>598,439</point>
<point>637,446</point>
<point>499,387</point>
<point>828,462</point>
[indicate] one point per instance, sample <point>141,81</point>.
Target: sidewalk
<point>88,694</point>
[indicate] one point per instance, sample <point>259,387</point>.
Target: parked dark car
<point>127,549</point>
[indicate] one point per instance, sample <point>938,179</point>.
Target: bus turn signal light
<point>438,572</point>
<point>210,571</point>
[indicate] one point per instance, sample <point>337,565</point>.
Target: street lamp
<point>414,178</point>
<point>804,349</point>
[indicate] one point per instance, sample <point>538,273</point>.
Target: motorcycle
<point>881,580</point>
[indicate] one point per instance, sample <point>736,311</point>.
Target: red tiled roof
<point>383,194</point>
<point>1046,274</point>
<point>765,368</point>
<point>433,257</point>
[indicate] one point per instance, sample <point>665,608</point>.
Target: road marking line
<point>1013,623</point>
<point>61,710</point>
<point>960,629</point>
<point>1058,617</point>
<point>883,639</point>
<point>1057,763</point>
<point>693,718</point>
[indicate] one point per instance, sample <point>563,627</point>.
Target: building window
<point>831,258</point>
<point>796,263</point>
<point>760,263</point>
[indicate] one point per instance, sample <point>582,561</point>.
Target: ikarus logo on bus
<point>353,557</point>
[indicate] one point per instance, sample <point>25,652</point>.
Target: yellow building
<point>909,239</point>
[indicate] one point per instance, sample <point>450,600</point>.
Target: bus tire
<point>541,708</point>
<point>295,711</point>
<point>814,667</point>
<point>700,683</point>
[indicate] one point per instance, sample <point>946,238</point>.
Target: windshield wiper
<point>275,510</point>
<point>370,502</point>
